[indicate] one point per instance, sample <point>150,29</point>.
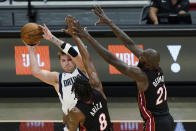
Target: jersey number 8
<point>102,121</point>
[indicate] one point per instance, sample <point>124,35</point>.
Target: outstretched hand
<point>74,27</point>
<point>69,23</point>
<point>103,19</point>
<point>47,34</point>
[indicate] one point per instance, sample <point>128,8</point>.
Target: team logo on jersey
<point>174,51</point>
<point>22,60</point>
<point>70,81</point>
<point>124,54</point>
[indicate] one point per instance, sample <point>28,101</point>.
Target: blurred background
<point>26,103</point>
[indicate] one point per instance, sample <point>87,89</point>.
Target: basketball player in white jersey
<point>71,64</point>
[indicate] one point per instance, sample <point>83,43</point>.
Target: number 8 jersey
<point>96,114</point>
<point>153,102</point>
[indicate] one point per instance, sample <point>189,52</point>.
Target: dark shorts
<point>160,123</point>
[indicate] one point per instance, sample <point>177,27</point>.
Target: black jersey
<point>153,102</point>
<point>97,115</point>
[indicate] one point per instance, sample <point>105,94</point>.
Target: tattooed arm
<point>72,53</point>
<point>49,36</point>
<point>122,36</point>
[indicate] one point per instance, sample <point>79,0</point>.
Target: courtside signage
<point>124,54</point>
<point>22,61</point>
<point>174,50</point>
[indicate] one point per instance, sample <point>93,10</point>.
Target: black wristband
<point>63,45</point>
<point>72,52</point>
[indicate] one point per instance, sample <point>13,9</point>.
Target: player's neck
<point>90,101</point>
<point>71,71</point>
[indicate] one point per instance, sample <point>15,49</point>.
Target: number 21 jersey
<point>154,100</point>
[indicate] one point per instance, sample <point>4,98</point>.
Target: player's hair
<point>60,53</point>
<point>82,89</point>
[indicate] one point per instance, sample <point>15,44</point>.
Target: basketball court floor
<point>29,114</point>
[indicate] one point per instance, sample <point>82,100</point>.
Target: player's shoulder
<point>98,95</point>
<point>96,92</point>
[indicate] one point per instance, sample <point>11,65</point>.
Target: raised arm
<point>89,66</point>
<point>126,40</point>
<point>133,72</point>
<point>65,47</point>
<point>44,75</point>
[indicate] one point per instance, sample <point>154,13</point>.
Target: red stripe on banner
<point>192,6</point>
<point>150,124</point>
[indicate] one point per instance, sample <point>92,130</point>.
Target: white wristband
<point>67,47</point>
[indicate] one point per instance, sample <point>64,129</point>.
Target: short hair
<point>60,53</point>
<point>82,88</point>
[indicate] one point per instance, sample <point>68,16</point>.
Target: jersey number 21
<point>162,95</point>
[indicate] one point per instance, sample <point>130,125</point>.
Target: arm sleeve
<point>184,5</point>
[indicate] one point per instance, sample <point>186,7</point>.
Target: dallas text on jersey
<point>69,81</point>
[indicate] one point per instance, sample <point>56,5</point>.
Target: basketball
<point>31,33</point>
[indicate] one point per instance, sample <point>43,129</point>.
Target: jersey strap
<point>60,85</point>
<point>82,74</point>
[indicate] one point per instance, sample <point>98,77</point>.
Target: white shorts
<point>68,103</point>
<point>66,129</point>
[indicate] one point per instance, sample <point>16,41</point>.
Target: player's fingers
<point>98,8</point>
<point>66,20</point>
<point>64,30</point>
<point>95,12</point>
<point>95,6</point>
<point>40,26</point>
<point>45,26</point>
<point>76,23</point>
<point>24,42</point>
<point>85,29</point>
<point>74,18</point>
<point>98,22</point>
<point>37,43</point>
<point>75,29</point>
<point>69,18</point>
<point>76,33</point>
<point>44,36</point>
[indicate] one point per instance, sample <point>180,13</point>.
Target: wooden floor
<point>121,109</point>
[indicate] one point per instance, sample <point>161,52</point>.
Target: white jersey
<point>66,96</point>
